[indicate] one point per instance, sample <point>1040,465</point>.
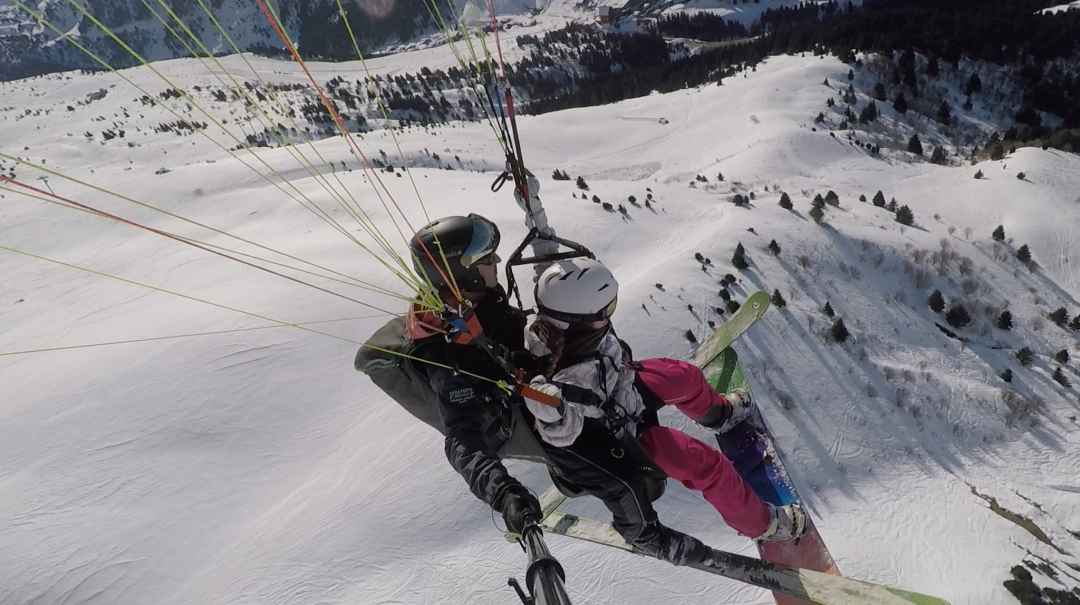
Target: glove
<point>519,507</point>
<point>556,426</point>
<point>534,190</point>
<point>540,410</point>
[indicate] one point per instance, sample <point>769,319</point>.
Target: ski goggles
<point>485,240</point>
<point>564,320</point>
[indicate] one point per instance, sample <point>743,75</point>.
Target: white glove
<point>542,411</point>
<point>534,191</point>
<point>555,428</point>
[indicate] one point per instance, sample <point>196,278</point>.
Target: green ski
<point>752,309</point>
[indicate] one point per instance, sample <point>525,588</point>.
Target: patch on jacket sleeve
<point>461,395</point>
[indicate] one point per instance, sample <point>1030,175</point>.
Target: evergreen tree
<point>958,316</point>
<point>978,174</point>
<point>832,199</point>
<point>1062,356</point>
<point>1061,378</point>
<point>1005,321</point>
<point>739,258</point>
<point>1075,324</point>
<point>879,199</point>
<point>1024,254</point>
<point>944,113</point>
<point>849,95</point>
<point>974,85</point>
<point>938,157</point>
<point>869,113</point>
<point>1006,375</point>
<point>581,184</point>
<point>1025,356</point>
<point>828,310</point>
<point>819,202</point>
<point>778,300</point>
<point>915,145</point>
<point>862,198</point>
<point>999,233</point>
<point>905,216</point>
<point>900,104</point>
<point>817,214</point>
<point>892,207</point>
<point>839,331</point>
<point>774,248</point>
<point>785,201</point>
<point>1060,317</point>
<point>1021,176</point>
<point>850,74</point>
<point>732,306</point>
<point>936,301</point>
<point>879,92</point>
<point>997,151</point>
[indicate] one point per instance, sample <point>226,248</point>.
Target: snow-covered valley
<point>257,467</point>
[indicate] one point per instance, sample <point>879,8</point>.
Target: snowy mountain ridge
<point>30,48</point>
<point>256,466</point>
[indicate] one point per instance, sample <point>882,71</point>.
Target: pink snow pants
<point>698,466</point>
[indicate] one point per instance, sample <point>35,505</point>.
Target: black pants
<point>621,474</point>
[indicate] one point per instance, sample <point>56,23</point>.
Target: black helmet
<point>464,242</point>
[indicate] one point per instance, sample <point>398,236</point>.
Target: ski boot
<point>723,419</point>
<point>786,522</point>
<point>741,408</point>
<point>671,545</point>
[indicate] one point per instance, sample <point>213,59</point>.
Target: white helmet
<point>577,290</point>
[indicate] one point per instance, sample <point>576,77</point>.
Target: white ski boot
<point>741,407</point>
<point>787,522</point>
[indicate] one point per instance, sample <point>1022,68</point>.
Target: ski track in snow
<point>259,468</point>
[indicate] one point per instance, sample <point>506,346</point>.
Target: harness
<point>616,415</point>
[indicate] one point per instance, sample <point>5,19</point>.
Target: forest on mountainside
<point>1044,47</point>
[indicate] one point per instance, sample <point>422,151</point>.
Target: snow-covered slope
<point>1062,7</point>
<point>257,467</point>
